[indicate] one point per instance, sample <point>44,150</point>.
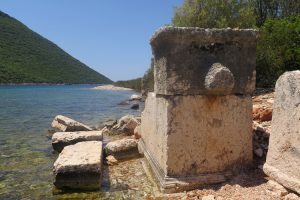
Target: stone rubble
<point>122,149</point>
<point>66,124</point>
<point>62,139</point>
<point>79,166</point>
<point>125,125</point>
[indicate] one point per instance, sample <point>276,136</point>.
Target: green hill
<point>27,57</point>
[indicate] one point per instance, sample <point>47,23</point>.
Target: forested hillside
<point>27,57</point>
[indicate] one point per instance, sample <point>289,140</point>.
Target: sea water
<point>26,113</point>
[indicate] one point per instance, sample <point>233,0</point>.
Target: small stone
<point>111,160</point>
<point>259,152</point>
<point>122,149</point>
<point>208,197</point>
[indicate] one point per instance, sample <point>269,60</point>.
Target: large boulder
<point>122,149</point>
<point>79,166</point>
<point>66,124</point>
<point>283,158</point>
<point>62,139</point>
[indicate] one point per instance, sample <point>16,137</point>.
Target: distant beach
<point>111,87</point>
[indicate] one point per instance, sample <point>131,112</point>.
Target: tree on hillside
<point>215,14</point>
<point>278,47</point>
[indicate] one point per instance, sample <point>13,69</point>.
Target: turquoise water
<point>26,113</point>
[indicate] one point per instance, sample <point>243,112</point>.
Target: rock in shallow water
<point>79,166</point>
<point>122,149</point>
<point>62,139</point>
<point>67,124</point>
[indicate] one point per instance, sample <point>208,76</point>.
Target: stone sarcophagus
<point>197,125</point>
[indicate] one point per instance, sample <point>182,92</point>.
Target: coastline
<point>45,84</point>
<point>111,87</point>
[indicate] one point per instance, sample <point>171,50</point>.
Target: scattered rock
<point>122,149</point>
<point>135,106</point>
<point>105,130</point>
<point>108,124</point>
<point>137,132</point>
<point>62,139</point>
<point>111,160</point>
<point>135,97</point>
<point>126,125</point>
<point>78,166</point>
<point>69,125</point>
<point>208,197</point>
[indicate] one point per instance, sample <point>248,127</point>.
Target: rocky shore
<point>126,174</point>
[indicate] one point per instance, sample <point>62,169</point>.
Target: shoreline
<point>45,84</point>
<point>111,88</point>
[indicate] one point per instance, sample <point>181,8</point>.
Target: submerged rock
<point>62,139</point>
<point>135,106</point>
<point>122,149</point>
<point>66,124</point>
<point>79,166</point>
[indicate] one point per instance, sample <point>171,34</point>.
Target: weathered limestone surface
<point>79,166</point>
<point>196,138</point>
<point>64,123</point>
<point>62,139</point>
<point>122,149</point>
<point>283,158</point>
<point>184,59</point>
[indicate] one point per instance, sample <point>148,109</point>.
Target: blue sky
<point>110,36</point>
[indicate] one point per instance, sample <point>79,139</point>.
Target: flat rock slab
<point>197,61</point>
<point>79,166</point>
<point>66,124</point>
<point>283,158</point>
<point>122,149</point>
<point>62,139</point>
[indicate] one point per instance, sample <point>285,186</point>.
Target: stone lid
<point>198,61</point>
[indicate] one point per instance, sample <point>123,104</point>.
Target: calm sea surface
<point>26,113</point>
